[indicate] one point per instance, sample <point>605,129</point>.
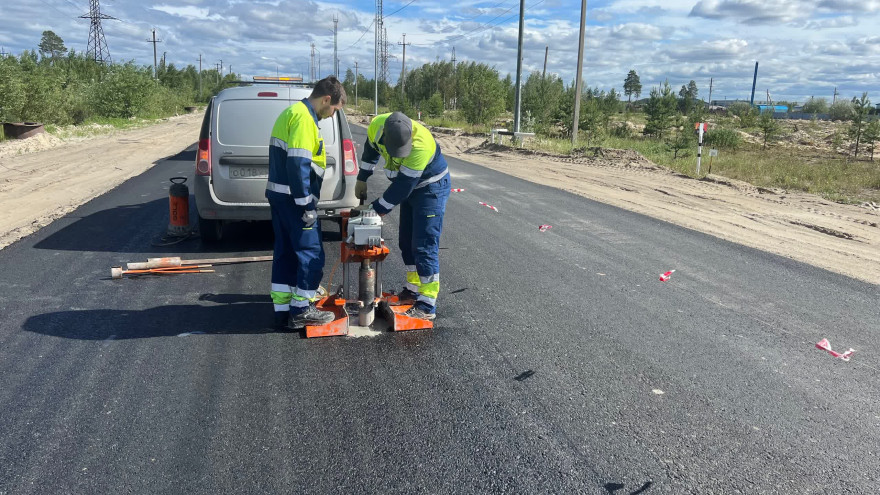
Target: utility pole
<point>217,68</point>
<point>579,82</point>
<point>355,83</point>
<point>376,58</point>
<point>709,101</point>
<point>200,76</point>
<point>519,48</point>
<point>221,67</point>
<point>754,82</point>
<point>335,59</point>
<point>155,62</point>
<point>403,71</point>
<point>546,52</point>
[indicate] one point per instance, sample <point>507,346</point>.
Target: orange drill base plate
<point>339,326</point>
<point>390,307</point>
<point>393,309</point>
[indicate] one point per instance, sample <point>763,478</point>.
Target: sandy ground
<point>840,238</point>
<point>45,177</point>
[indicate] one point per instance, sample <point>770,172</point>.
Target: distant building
<point>726,103</point>
<point>773,108</point>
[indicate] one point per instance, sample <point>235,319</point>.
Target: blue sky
<point>805,48</point>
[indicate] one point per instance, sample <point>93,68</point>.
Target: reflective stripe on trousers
<point>421,223</point>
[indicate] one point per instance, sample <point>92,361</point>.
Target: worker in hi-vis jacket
<point>297,161</point>
<point>420,184</point>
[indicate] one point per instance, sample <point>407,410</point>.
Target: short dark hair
<point>329,86</point>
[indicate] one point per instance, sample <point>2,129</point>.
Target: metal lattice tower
<point>384,61</point>
<point>97,43</point>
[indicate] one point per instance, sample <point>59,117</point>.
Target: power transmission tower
<point>97,47</point>
<point>454,80</point>
<point>335,59</point>
<point>2,52</point>
<point>403,70</point>
<point>834,98</point>
<point>385,44</point>
<point>155,62</point>
<point>312,63</point>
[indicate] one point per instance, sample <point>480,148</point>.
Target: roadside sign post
<point>712,153</point>
<point>700,128</point>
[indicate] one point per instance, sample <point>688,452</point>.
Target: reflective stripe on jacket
<point>422,166</point>
<point>297,158</point>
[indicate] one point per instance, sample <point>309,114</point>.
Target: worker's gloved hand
<point>360,190</point>
<point>309,218</point>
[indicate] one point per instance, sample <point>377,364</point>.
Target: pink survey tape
<point>826,346</point>
<point>545,227</point>
<point>666,276</point>
<point>489,206</point>
<point>457,190</point>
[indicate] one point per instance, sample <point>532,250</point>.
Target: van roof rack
<point>291,81</point>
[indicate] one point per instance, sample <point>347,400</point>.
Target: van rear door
<point>243,129</point>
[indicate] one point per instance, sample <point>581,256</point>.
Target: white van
<point>232,161</point>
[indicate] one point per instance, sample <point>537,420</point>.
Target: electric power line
<point>362,36</point>
<point>398,10</point>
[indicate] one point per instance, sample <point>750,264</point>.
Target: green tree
<point>769,126</point>
<point>861,107</point>
<point>683,140</point>
<point>434,105</point>
<point>688,97</point>
<point>51,45</point>
<point>816,105</point>
<point>841,110</point>
<point>746,113</point>
<point>660,110</point>
<point>872,135</point>
<point>481,93</point>
<point>632,86</point>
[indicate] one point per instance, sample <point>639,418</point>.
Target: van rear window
<point>249,122</point>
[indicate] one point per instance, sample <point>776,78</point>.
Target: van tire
<point>210,230</point>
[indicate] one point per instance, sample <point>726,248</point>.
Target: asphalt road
<point>559,362</point>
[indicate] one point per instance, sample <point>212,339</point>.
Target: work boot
<point>311,316</point>
<point>281,318</point>
<point>417,312</point>
<point>407,295</point>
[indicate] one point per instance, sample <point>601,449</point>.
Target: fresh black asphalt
<point>559,362</point>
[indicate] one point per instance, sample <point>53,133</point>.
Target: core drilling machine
<point>363,246</point>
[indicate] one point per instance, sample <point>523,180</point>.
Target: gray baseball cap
<point>398,135</point>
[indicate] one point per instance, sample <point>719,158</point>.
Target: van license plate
<point>248,172</point>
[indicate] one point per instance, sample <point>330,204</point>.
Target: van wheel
<point>210,230</point>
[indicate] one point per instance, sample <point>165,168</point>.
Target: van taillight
<point>270,94</point>
<point>351,165</point>
<point>203,157</point>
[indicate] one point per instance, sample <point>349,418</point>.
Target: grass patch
<point>821,173</point>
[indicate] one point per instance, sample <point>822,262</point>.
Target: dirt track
<point>40,186</point>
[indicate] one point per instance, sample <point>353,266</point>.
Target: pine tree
<point>632,86</point>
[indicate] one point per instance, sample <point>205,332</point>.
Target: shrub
<point>722,138</point>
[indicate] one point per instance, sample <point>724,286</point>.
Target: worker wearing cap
<point>420,184</point>
<point>297,160</point>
